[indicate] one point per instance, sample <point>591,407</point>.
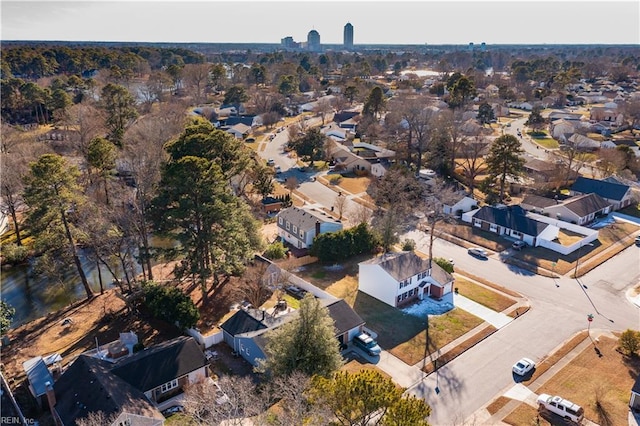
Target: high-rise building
<point>313,41</point>
<point>348,36</point>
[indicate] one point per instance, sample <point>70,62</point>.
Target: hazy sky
<point>375,22</point>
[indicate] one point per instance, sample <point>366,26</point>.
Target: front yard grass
<point>600,384</point>
<point>482,295</point>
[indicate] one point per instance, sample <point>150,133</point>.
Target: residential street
<point>557,313</point>
<point>559,310</point>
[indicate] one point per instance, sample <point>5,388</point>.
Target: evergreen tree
<point>306,344</point>
<point>52,194</point>
<point>367,397</point>
<point>120,107</point>
<point>504,160</point>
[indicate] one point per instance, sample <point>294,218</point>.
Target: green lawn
<point>483,295</point>
<point>404,335</point>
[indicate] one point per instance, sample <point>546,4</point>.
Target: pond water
<point>35,296</point>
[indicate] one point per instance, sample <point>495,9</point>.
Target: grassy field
<point>483,295</point>
<point>600,384</point>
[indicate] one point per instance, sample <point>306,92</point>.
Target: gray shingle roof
<point>160,364</point>
<point>405,264</point>
<point>88,385</point>
<point>305,219</point>
<point>584,205</point>
<point>511,217</point>
<point>538,201</point>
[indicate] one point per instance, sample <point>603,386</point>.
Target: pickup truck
<point>562,407</point>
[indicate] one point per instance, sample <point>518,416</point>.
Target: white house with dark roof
<point>619,195</point>
<point>400,278</point>
<point>580,209</point>
<point>299,226</point>
<point>512,221</point>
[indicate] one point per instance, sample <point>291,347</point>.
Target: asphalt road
<point>559,309</point>
<point>308,186</point>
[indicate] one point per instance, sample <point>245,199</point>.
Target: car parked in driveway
<point>173,410</point>
<point>638,240</point>
<point>523,367</point>
<point>478,252</point>
<point>367,343</point>
<point>519,245</point>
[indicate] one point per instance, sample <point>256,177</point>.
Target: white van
<point>562,407</point>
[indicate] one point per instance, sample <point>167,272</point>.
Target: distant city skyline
<point>374,22</point>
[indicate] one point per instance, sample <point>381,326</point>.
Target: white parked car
<point>478,252</point>
<point>523,367</point>
<point>562,407</point>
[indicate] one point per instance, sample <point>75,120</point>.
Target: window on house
<point>280,220</point>
<point>301,233</point>
<point>168,386</point>
<point>477,223</point>
<point>493,227</point>
<point>288,226</point>
<point>126,422</point>
<point>295,229</point>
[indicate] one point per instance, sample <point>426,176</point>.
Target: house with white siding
<point>398,279</point>
<point>299,226</point>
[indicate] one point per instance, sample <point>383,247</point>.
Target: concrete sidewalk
<point>408,376</point>
<point>496,319</point>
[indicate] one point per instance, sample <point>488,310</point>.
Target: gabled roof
<point>608,190</point>
<point>305,218</point>
<point>344,317</point>
<point>344,116</point>
<point>88,385</point>
<point>405,264</point>
<point>539,165</point>
<point>538,201</point>
<point>240,128</point>
<point>242,322</point>
<point>247,120</point>
<point>160,364</point>
<point>511,217</point>
<point>584,205</point>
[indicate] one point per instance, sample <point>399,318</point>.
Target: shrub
<point>276,250</point>
<point>629,341</point>
<point>444,264</point>
<point>171,305</point>
<point>335,179</point>
<point>338,246</point>
<point>138,347</point>
<point>13,253</point>
<point>408,245</point>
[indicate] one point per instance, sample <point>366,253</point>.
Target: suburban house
<point>583,143</point>
<point>359,157</point>
<point>580,209</point>
<point>511,221</point>
<point>245,330</point>
<point>463,203</point>
<point>618,195</point>
<point>133,387</point>
<point>400,278</point>
<point>38,376</point>
<point>299,226</point>
<point>239,131</point>
<point>539,170</point>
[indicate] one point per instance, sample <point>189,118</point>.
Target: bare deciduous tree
<point>340,205</point>
<point>472,163</point>
<point>196,76</point>
<point>86,122</point>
